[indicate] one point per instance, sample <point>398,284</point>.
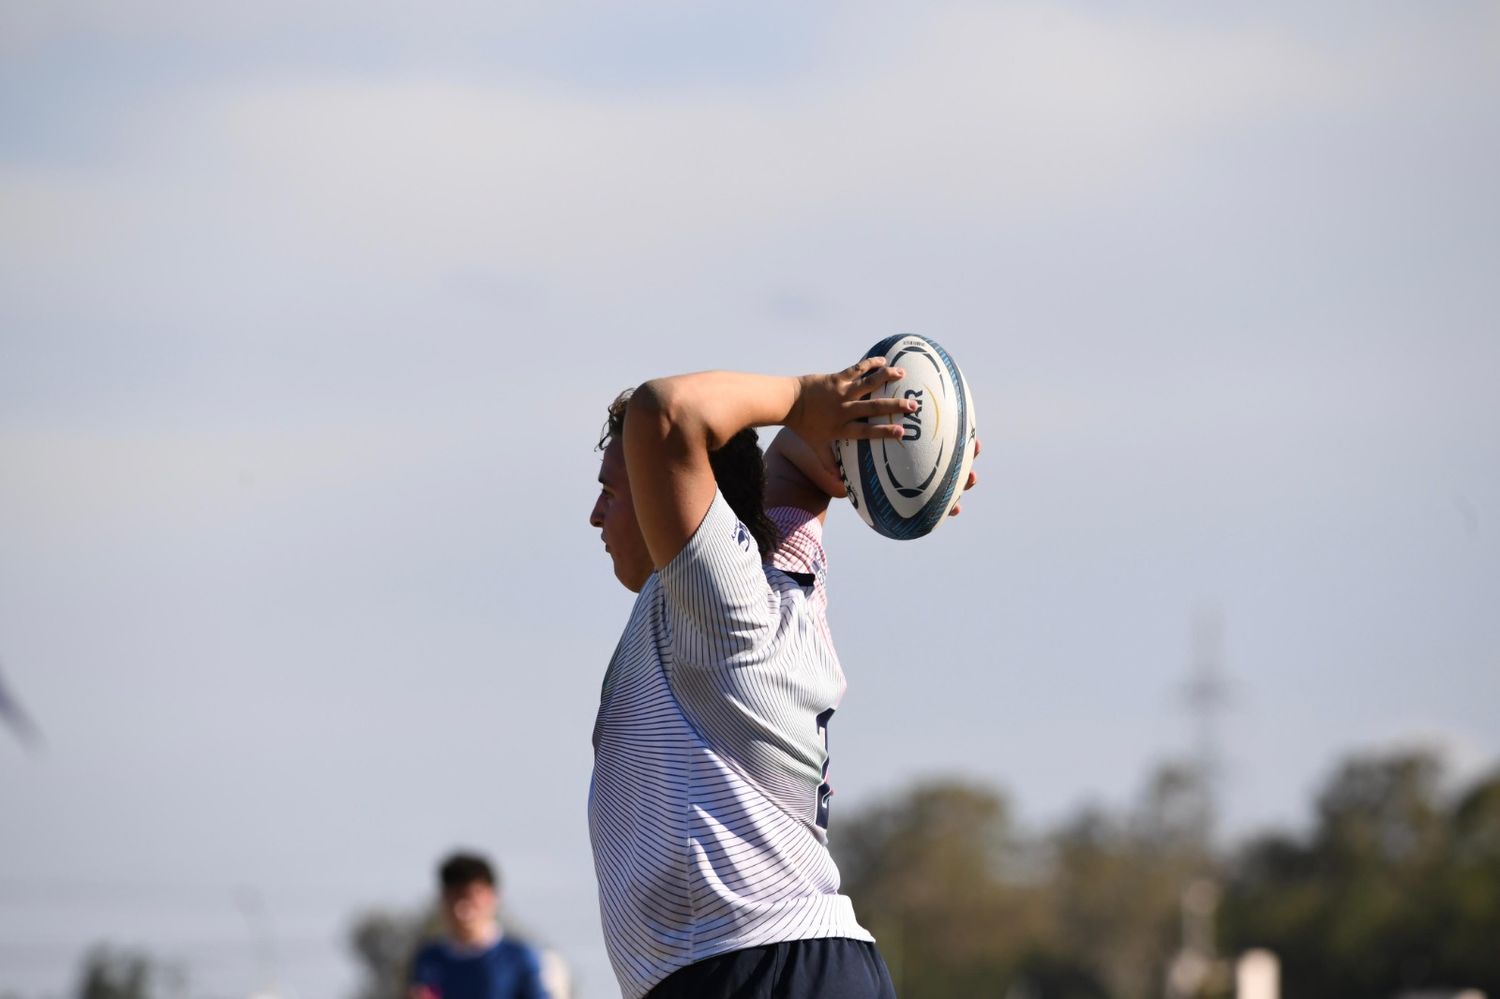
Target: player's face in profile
<point>614,515</point>
<point>469,909</point>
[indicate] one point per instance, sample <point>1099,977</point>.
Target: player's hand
<point>830,407</point>
<point>816,465</point>
<point>973,478</point>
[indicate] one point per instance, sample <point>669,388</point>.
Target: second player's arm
<point>801,475</point>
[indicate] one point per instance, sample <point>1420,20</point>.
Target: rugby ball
<point>905,487</point>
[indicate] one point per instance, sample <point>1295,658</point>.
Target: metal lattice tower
<point>1206,695</point>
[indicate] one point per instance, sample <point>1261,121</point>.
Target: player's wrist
<point>800,415</point>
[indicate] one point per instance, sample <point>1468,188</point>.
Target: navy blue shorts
<point>835,968</point>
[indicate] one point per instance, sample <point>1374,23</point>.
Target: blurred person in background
<point>474,959</point>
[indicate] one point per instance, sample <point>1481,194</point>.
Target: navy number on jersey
<point>824,791</point>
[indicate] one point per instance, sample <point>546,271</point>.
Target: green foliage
<point>1396,888</point>
<point>964,904</point>
<point>109,974</point>
<point>385,944</point>
<point>938,878</point>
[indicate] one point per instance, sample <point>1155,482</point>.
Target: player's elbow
<point>662,410</point>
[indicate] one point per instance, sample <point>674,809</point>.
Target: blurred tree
<point>1469,913</point>
<point>1044,975</point>
<point>110,974</point>
<point>1116,884</point>
<point>1393,889</point>
<point>942,879</point>
<point>385,944</point>
<point>963,904</point>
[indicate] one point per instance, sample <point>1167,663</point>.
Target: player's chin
<point>630,578</point>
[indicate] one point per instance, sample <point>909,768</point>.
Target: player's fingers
<point>973,478</point>
<point>862,431</point>
<point>976,447</point>
<point>861,387</point>
<point>954,511</point>
<point>863,368</point>
<point>864,408</point>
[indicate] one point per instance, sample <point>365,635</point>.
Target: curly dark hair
<point>739,470</point>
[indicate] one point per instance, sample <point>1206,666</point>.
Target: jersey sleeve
<point>533,985</point>
<point>800,552</point>
<point>719,604</point>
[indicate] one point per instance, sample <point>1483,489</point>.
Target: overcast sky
<point>309,313</point>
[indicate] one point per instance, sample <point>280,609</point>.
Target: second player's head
<point>470,892</point>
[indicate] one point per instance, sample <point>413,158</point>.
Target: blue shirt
<point>504,970</point>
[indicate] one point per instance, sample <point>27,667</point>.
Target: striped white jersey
<point>708,808</point>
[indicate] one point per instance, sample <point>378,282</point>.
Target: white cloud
<point>992,111</point>
<point>990,116</point>
<point>303,206</point>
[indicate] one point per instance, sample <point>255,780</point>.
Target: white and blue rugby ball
<point>905,487</point>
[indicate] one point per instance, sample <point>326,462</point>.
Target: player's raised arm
<point>801,475</point>
<point>673,423</point>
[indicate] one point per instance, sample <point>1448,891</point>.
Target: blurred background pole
<point>1195,966</point>
<point>1257,975</point>
<point>1207,696</point>
<point>263,934</point>
<point>1199,903</point>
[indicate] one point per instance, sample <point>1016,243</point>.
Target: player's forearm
<point>797,474</point>
<point>707,408</point>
